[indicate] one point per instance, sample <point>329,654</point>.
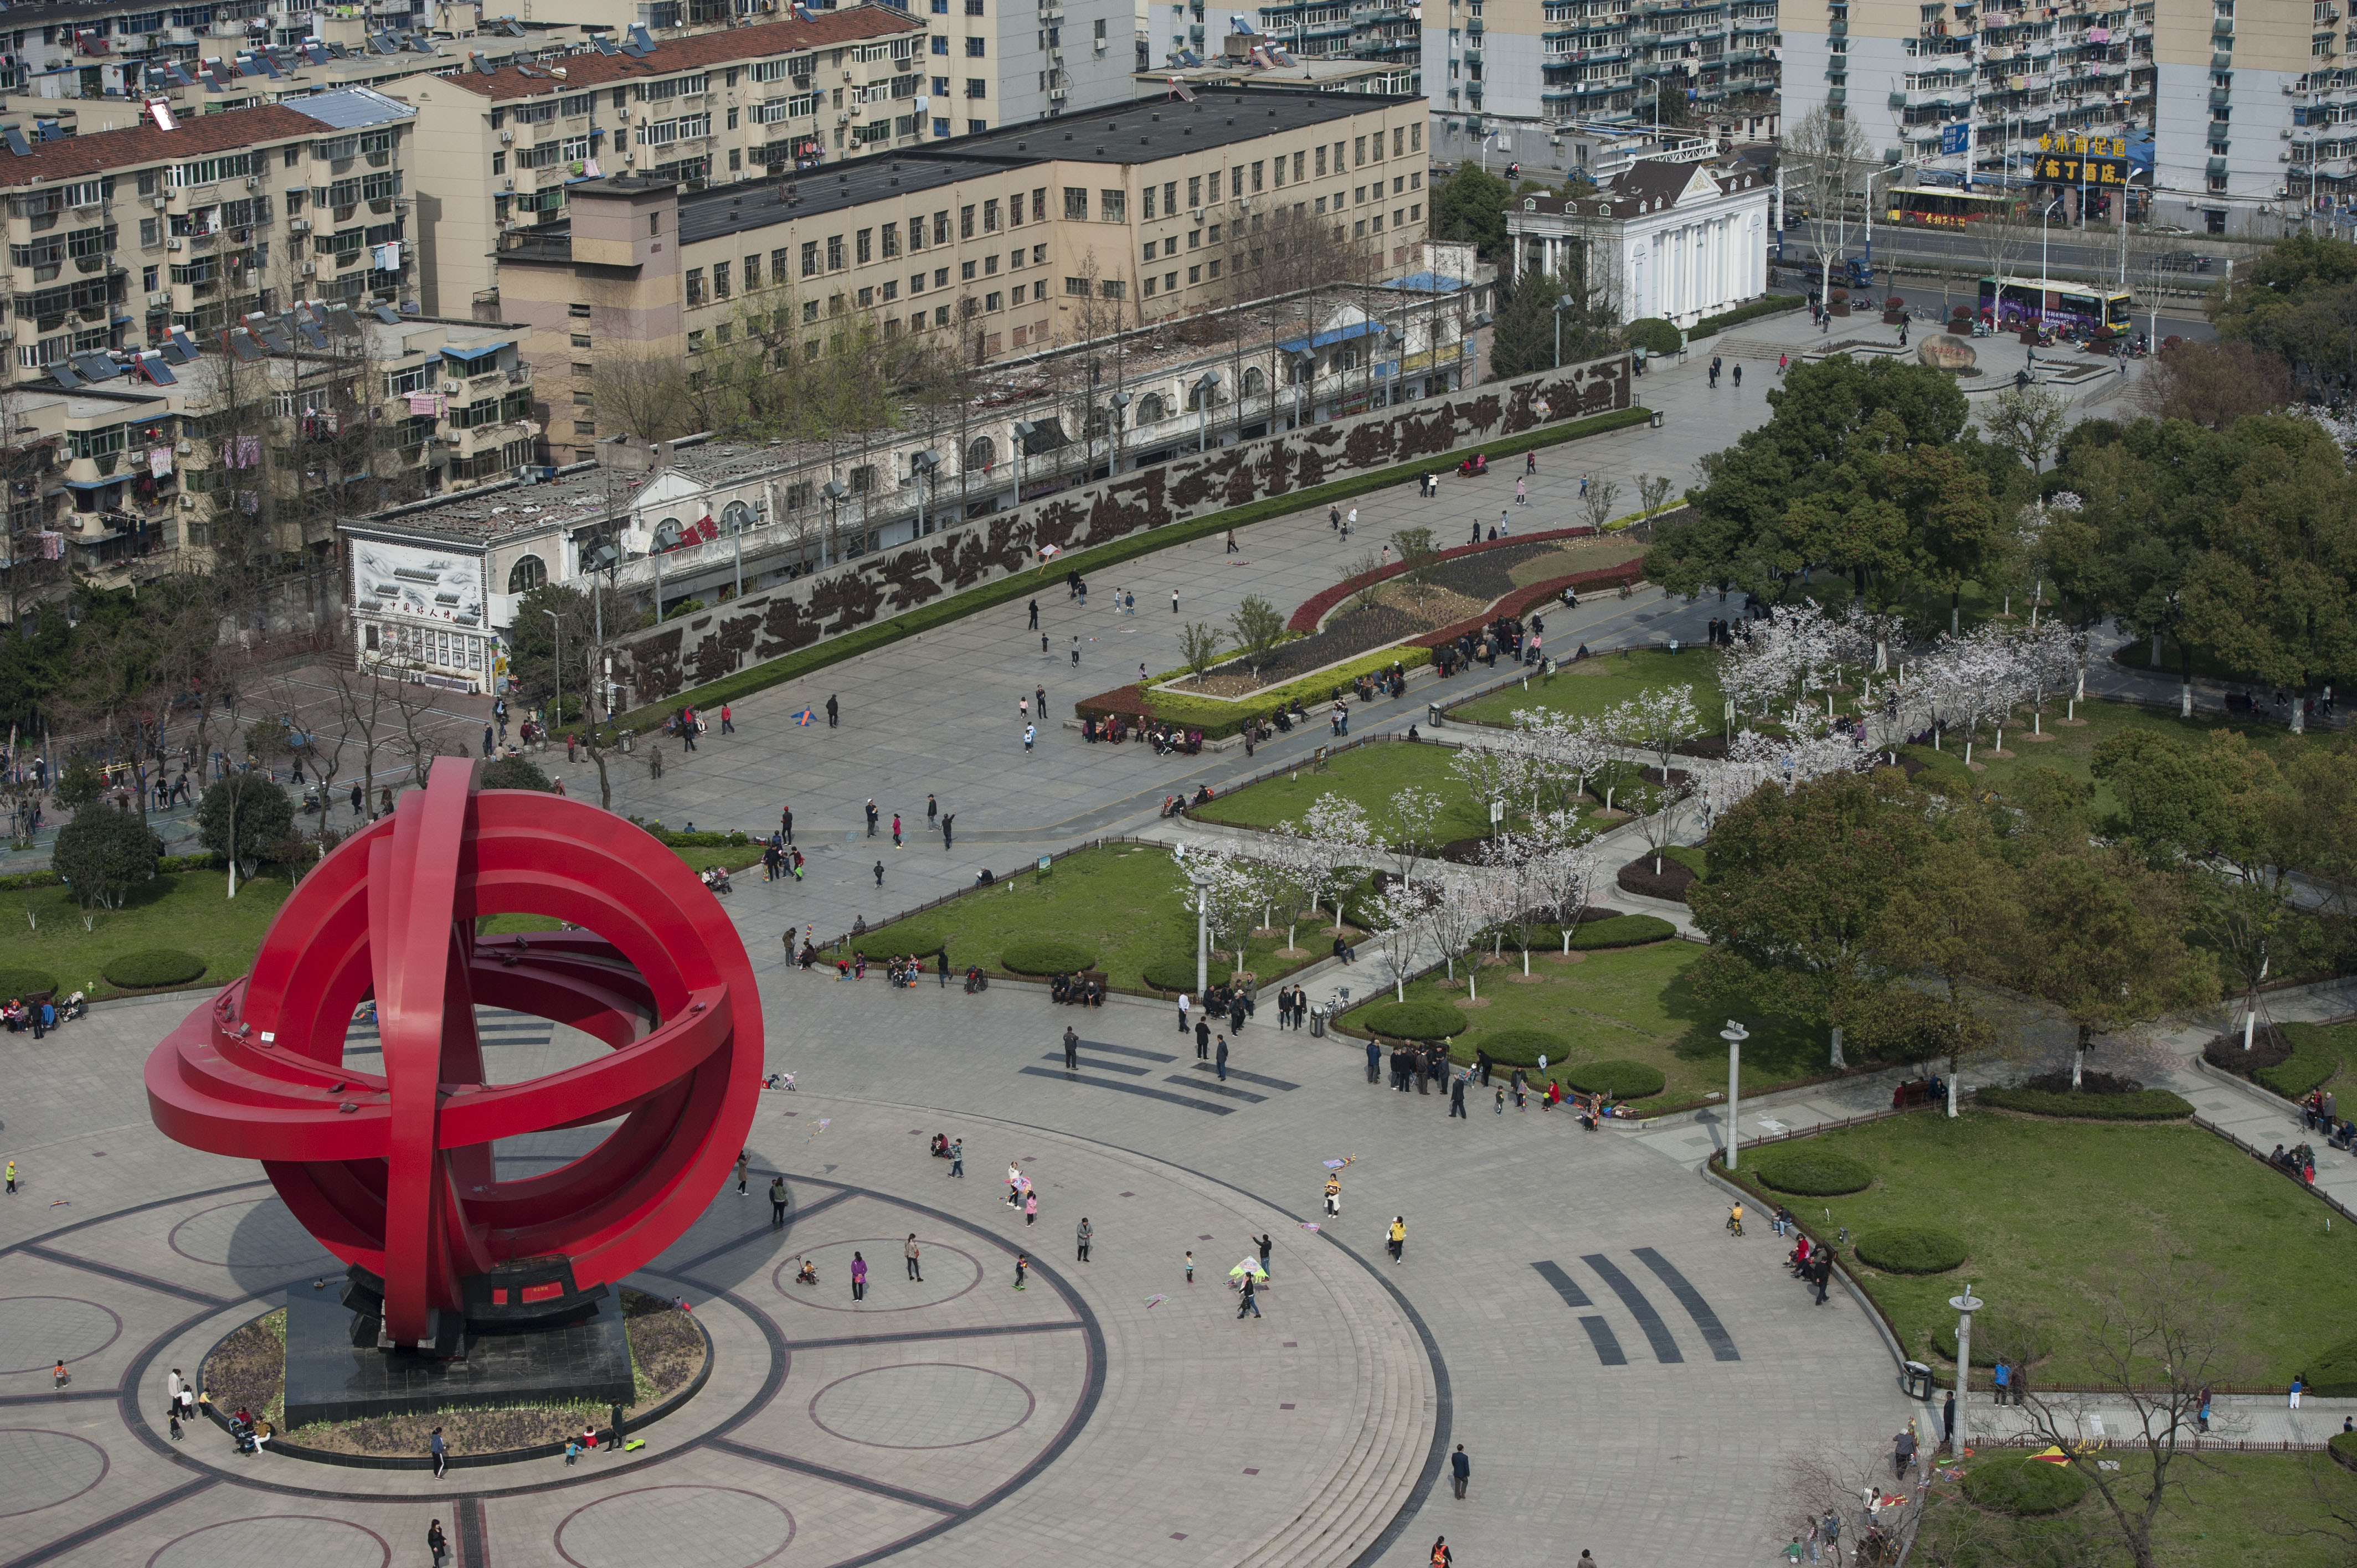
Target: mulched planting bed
<point>1671,882</point>
<point>249,1369</point>
<point>2269,1048</point>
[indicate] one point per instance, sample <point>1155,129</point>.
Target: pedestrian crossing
<point>1131,1066</point>
<point>1640,1307</point>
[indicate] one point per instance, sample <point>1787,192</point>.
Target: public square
<point>1626,1378</point>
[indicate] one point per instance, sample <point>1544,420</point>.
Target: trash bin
<point>1318,1021</point>
<point>1656,421</point>
<point>1432,714</point>
<point>1916,1380</point>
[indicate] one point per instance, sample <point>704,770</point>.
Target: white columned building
<point>1685,241</point>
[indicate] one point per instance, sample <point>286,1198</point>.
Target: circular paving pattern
<point>250,1233</point>
<point>949,1272</point>
<point>925,1404</point>
<point>727,1527</point>
<point>37,1331</point>
<point>40,1469</point>
<point>308,1539</point>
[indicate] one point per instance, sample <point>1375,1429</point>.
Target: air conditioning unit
<point>253,182</point>
<point>298,225</point>
<point>188,503</point>
<point>160,298</point>
<point>311,269</point>
<point>507,135</point>
<point>187,446</point>
<point>162,203</point>
<point>850,75</point>
<point>173,243</point>
<point>453,389</point>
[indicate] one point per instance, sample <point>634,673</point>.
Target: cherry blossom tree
<point>1770,671</point>
<point>1656,721</point>
<point>1400,910</point>
<point>1459,914</point>
<point>1231,893</point>
<point>1565,752</point>
<point>1407,821</point>
<point>1340,840</point>
<point>1494,768</point>
<point>1563,875</point>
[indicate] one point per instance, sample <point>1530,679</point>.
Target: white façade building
<point>1684,240</point>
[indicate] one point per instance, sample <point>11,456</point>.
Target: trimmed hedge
<point>152,966</point>
<point>2317,1052</point>
<point>1655,336</point>
<point>2145,1105</point>
<point>1621,1080</point>
<point>2343,1449</point>
<point>1412,1020</point>
<point>1219,720</point>
<point>1523,1048</point>
<point>2024,1484</point>
<point>1170,974</point>
<point>1991,1330</point>
<point>1814,1173</point>
<point>203,860</point>
<point>1770,306</point>
<point>1910,1250</point>
<point>1016,585</point>
<point>1942,767</point>
<point>1621,931</point>
<point>27,985</point>
<point>916,941</point>
<point>1043,955</point>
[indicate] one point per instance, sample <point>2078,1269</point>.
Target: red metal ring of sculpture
<point>393,1170</point>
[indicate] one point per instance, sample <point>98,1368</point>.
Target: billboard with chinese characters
<point>2069,158</point>
<point>427,584</point>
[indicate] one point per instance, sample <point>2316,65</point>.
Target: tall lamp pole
<point>1966,1305</point>
<point>1734,1035</point>
<point>923,466</point>
<point>558,627</point>
<point>1202,932</point>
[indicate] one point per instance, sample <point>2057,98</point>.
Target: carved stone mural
<point>663,661</point>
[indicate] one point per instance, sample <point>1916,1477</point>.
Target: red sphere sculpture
<point>393,1170</point>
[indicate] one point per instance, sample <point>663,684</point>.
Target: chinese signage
<point>1953,138</point>
<point>2071,159</point>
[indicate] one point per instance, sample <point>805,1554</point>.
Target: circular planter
<point>1412,1020</point>
<point>1523,1048</point>
<point>1814,1173</point>
<point>1042,955</point>
<point>151,967</point>
<point>1910,1250</point>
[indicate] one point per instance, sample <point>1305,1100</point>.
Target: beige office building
<point>1007,243</point>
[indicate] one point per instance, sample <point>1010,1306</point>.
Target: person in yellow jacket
<point>1398,1236</point>
<point>12,1175</point>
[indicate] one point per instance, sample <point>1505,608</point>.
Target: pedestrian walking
<point>2001,1378</point>
<point>1202,1040</point>
<point>1374,1059</point>
<point>941,967</point>
<point>1522,492</point>
<point>786,822</point>
<point>486,740</point>
<point>949,829</point>
<point>776,1200</point>
<point>895,830</point>
<point>1251,1302</point>
<point>1220,1058</point>
<point>1085,1231</point>
<point>1022,1267</point>
<point>1902,1453</point>
<point>1351,524</point>
<point>2202,1416</point>
<point>728,723</point>
<point>957,1158</point>
<point>1071,1049</point>
<point>1265,1247</point>
<point>1948,1420</point>
<point>879,873</point>
<point>441,1452</point>
<point>1076,651</point>
<point>1190,1266</point>
<point>1333,1196</point>
<point>1739,370</point>
<point>1457,1094</point>
<point>1334,517</point>
<point>1462,1469</point>
<point>1182,1029</point>
<point>1032,1207</point>
<point>832,713</point>
<point>908,1254</point>
<point>932,810</point>
<point>859,1277</point>
<point>1035,617</point>
<point>436,1542</point>
<point>1440,1557</point>
<point>1232,542</point>
<point>1823,1272</point>
<point>1174,601</point>
<point>1398,1237</point>
<point>1030,733</point>
<point>743,1163</point>
<point>871,816</point>
<point>2298,1383</point>
<point>58,1376</point>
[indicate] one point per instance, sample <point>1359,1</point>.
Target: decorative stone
<point>1946,351</point>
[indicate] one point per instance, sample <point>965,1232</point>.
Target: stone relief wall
<point>663,661</point>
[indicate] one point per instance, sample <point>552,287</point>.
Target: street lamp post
<point>1120,404</point>
<point>924,466</point>
<point>1561,302</point>
<point>1024,431</point>
<point>1966,1305</point>
<point>1202,886</point>
<point>1734,1035</point>
<point>558,627</point>
<point>2043,285</point>
<point>1205,391</point>
<point>833,494</point>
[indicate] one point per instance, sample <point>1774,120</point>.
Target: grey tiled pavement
<point>1167,1433</point>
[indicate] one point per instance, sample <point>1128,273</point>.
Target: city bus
<point>1937,208</point>
<point>2008,304</point>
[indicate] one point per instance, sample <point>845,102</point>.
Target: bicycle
<point>1735,1223</point>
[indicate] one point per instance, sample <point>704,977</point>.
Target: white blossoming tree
<point>1459,914</point>
<point>1494,768</point>
<point>1400,910</point>
<point>1405,822</point>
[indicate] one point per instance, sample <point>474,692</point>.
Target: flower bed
<point>1314,608</point>
<point>1526,599</point>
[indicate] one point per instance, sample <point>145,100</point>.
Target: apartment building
<point>1005,243</point>
<point>121,237</point>
<point>1388,33</point>
<point>507,146</point>
<point>1563,60</point>
<point>2234,101</point>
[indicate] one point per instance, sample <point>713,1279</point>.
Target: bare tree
<point>2158,1330</point>
<point>1828,156</point>
<point>359,711</point>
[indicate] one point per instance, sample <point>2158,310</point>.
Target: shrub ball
<point>1044,955</point>
<point>1814,1173</point>
<point>1412,1020</point>
<point>1910,1250</point>
<point>152,966</point>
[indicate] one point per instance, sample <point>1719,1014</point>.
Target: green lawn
<point>1124,902</point>
<point>189,910</point>
<point>2040,1204</point>
<point>1370,775</point>
<point>2251,1509</point>
<point>1624,1004</point>
<point>1591,685</point>
<point>2072,749</point>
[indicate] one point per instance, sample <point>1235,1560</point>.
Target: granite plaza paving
<point>1626,1378</point>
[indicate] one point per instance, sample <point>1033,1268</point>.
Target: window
<point>752,273</point>
<point>1079,287</point>
<point>1194,275</point>
<point>1148,213</point>
<point>1255,173</point>
<point>720,280</point>
<point>965,270</point>
<point>529,573</point>
<point>1114,288</point>
<point>1149,288</point>
<point>973,48</point>
<point>1321,163</point>
<point>1076,203</point>
<point>810,258</point>
<point>990,265</point>
<point>941,227</point>
<point>1113,206</point>
<point>654,222</point>
<point>695,285</point>
<point>976,87</point>
<point>940,44</point>
<point>834,252</point>
<point>991,302</point>
<point>862,246</point>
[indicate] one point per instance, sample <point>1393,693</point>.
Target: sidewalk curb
<point>1890,1341</point>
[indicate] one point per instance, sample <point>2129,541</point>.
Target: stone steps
<point>1343,1514</point>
